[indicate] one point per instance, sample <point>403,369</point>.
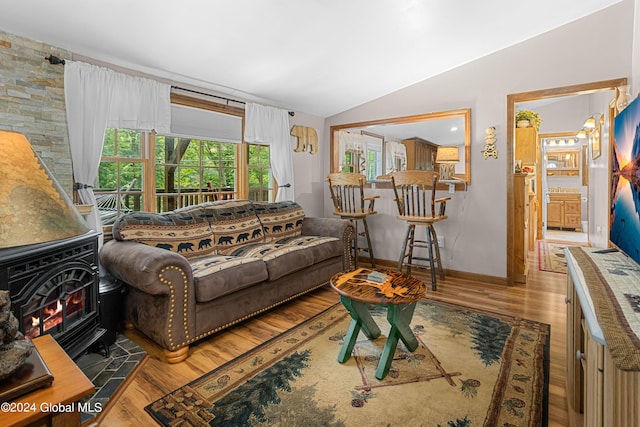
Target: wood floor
<point>541,299</point>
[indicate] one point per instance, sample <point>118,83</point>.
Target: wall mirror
<point>377,148</point>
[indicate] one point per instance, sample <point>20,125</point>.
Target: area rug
<point>472,368</point>
<point>551,257</point>
<point>109,373</point>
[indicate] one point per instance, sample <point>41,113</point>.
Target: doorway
<point>514,101</point>
<point>564,187</point>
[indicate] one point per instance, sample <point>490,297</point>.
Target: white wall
<point>308,168</point>
<point>594,48</point>
<point>599,178</point>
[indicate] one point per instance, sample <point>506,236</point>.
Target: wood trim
<point>190,101</point>
<point>494,280</point>
<point>512,99</point>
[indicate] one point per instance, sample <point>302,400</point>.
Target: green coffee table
<point>391,288</point>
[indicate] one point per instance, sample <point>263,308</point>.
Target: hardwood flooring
<point>541,299</point>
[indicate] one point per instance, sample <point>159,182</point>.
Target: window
<point>191,171</point>
<point>260,178</point>
<point>200,161</point>
<point>120,184</point>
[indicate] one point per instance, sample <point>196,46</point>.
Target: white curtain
<point>396,156</point>
<point>355,143</point>
<point>270,125</point>
<point>97,98</point>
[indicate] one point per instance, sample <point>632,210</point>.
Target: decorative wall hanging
<point>307,137</point>
<point>490,149</point>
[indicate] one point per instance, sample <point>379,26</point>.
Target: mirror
<point>379,147</point>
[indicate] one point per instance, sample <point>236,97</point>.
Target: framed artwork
<point>624,205</point>
<point>596,143</point>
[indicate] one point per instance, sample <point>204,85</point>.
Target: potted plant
<point>526,118</point>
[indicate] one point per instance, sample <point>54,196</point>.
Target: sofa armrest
<point>143,266</point>
<point>161,302</point>
<point>332,227</point>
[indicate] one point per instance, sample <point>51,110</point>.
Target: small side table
<point>391,288</point>
<point>56,405</point>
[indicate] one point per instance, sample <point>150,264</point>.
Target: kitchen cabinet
<point>421,154</point>
<point>564,211</point>
<point>527,146</point>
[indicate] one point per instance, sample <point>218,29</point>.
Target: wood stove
<point>54,289</point>
<point>48,254</point>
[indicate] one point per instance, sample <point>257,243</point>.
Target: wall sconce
<point>589,126</point>
<point>447,157</point>
<point>590,123</point>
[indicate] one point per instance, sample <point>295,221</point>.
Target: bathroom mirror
<point>379,147</point>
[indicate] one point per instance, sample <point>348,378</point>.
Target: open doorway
<point>564,187</point>
<point>565,109</point>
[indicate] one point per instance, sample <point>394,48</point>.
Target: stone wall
<point>32,101</point>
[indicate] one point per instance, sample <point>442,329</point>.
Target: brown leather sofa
<point>194,271</point>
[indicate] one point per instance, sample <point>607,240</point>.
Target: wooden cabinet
<point>532,225</point>
<point>564,211</point>
<point>421,154</point>
<point>598,393</point>
<point>527,146</point>
<point>524,225</point>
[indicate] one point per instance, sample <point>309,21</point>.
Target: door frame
<point>512,100</point>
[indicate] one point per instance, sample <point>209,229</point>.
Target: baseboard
<point>494,280</point>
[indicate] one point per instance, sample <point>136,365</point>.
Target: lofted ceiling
<point>319,57</point>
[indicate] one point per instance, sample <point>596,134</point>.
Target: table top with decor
<point>379,286</point>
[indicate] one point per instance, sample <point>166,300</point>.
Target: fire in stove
<point>54,314</point>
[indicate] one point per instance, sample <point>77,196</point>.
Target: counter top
<point>584,297</point>
<point>560,190</point>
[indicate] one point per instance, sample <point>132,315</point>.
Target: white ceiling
<point>320,57</point>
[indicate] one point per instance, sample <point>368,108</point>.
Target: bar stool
<point>415,195</point>
<point>347,193</point>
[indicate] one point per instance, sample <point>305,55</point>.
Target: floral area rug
<point>471,368</point>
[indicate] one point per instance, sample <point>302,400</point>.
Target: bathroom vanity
<point>564,210</point>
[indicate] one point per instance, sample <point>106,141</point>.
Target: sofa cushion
<point>186,232</point>
<point>322,248</point>
<point>280,219</point>
<point>279,259</point>
<point>218,275</point>
<point>233,223</point>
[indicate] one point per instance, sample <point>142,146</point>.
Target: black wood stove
<point>48,254</point>
<point>53,288</point>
